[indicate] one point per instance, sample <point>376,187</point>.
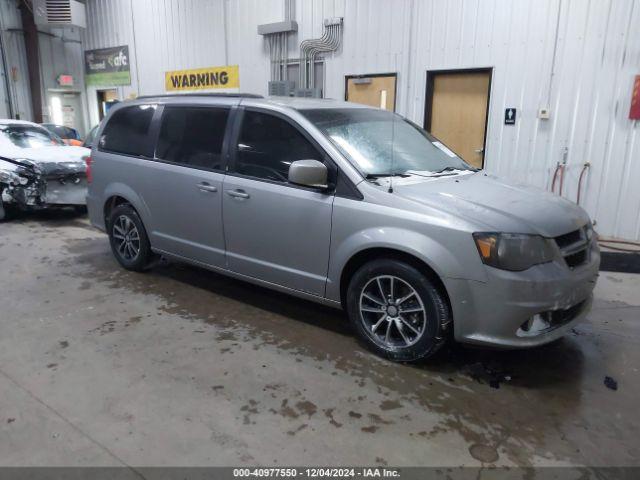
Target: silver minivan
<point>345,205</point>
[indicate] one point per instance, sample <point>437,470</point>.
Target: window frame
<point>151,135</point>
<point>333,171</point>
<point>224,153</point>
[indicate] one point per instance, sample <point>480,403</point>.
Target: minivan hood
<point>495,204</point>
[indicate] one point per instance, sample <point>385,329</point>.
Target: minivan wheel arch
<point>367,255</point>
<point>111,203</point>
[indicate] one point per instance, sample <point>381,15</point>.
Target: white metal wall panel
<point>11,25</point>
<point>591,46</point>
<point>245,47</point>
<point>177,34</point>
<point>110,23</point>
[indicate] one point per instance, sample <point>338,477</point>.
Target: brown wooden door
<point>457,113</point>
<point>374,90</point>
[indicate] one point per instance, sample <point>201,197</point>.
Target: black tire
<point>121,215</point>
<point>413,336</point>
<point>8,211</point>
<point>3,211</point>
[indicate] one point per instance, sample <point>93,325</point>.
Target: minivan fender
<point>434,254</point>
<point>122,190</point>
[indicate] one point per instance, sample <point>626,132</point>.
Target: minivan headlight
<point>513,251</point>
<point>588,231</point>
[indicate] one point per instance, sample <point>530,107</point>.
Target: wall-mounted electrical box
<point>543,113</point>
<point>309,92</point>
<point>333,21</point>
<point>281,88</point>
<point>278,27</point>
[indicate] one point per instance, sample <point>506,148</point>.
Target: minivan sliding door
<point>183,184</point>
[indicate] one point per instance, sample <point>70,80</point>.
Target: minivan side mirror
<point>309,173</point>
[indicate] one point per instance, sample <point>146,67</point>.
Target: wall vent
<point>60,13</point>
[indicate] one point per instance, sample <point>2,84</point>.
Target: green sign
<point>107,66</point>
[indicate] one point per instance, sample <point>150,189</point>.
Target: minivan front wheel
<point>397,311</point>
<point>128,238</point>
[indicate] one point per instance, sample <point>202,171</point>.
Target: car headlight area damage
<point>27,184</point>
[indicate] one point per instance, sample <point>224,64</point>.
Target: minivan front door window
<point>267,146</point>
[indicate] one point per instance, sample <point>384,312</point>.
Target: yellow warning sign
<point>202,79</point>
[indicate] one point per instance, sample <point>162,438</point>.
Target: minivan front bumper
<point>523,309</point>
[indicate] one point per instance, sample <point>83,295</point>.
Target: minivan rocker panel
<point>431,247</point>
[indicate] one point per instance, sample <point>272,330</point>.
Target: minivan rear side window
<point>193,136</point>
<point>127,131</point>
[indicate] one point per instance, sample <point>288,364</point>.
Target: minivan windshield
<point>381,143</point>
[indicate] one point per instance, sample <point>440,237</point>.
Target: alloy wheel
<point>392,312</point>
<point>127,237</point>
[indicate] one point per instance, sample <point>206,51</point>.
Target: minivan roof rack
<point>229,95</point>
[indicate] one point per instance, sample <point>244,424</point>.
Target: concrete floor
<point>180,366</point>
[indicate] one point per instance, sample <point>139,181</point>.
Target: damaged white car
<point>37,170</point>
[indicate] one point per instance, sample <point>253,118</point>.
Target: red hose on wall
<point>585,167</point>
<point>555,176</point>
<point>559,170</point>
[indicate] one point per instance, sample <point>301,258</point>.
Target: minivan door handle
<point>205,187</point>
<point>238,194</point>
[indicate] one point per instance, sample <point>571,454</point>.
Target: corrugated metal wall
<point>10,28</point>
<point>110,23</point>
<point>61,52</point>
<point>577,57</point>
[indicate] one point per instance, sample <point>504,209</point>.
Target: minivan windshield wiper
<point>448,169</point>
<point>371,176</point>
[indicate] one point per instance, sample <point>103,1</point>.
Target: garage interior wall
<point>578,58</point>
<point>61,52</point>
<point>13,40</point>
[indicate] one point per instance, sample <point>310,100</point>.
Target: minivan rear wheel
<point>128,238</point>
<point>397,311</point>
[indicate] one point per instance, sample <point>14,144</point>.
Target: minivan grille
<point>574,247</point>
<point>568,238</point>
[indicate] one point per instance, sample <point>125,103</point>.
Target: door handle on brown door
<point>205,187</point>
<point>238,194</point>
<point>480,150</point>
